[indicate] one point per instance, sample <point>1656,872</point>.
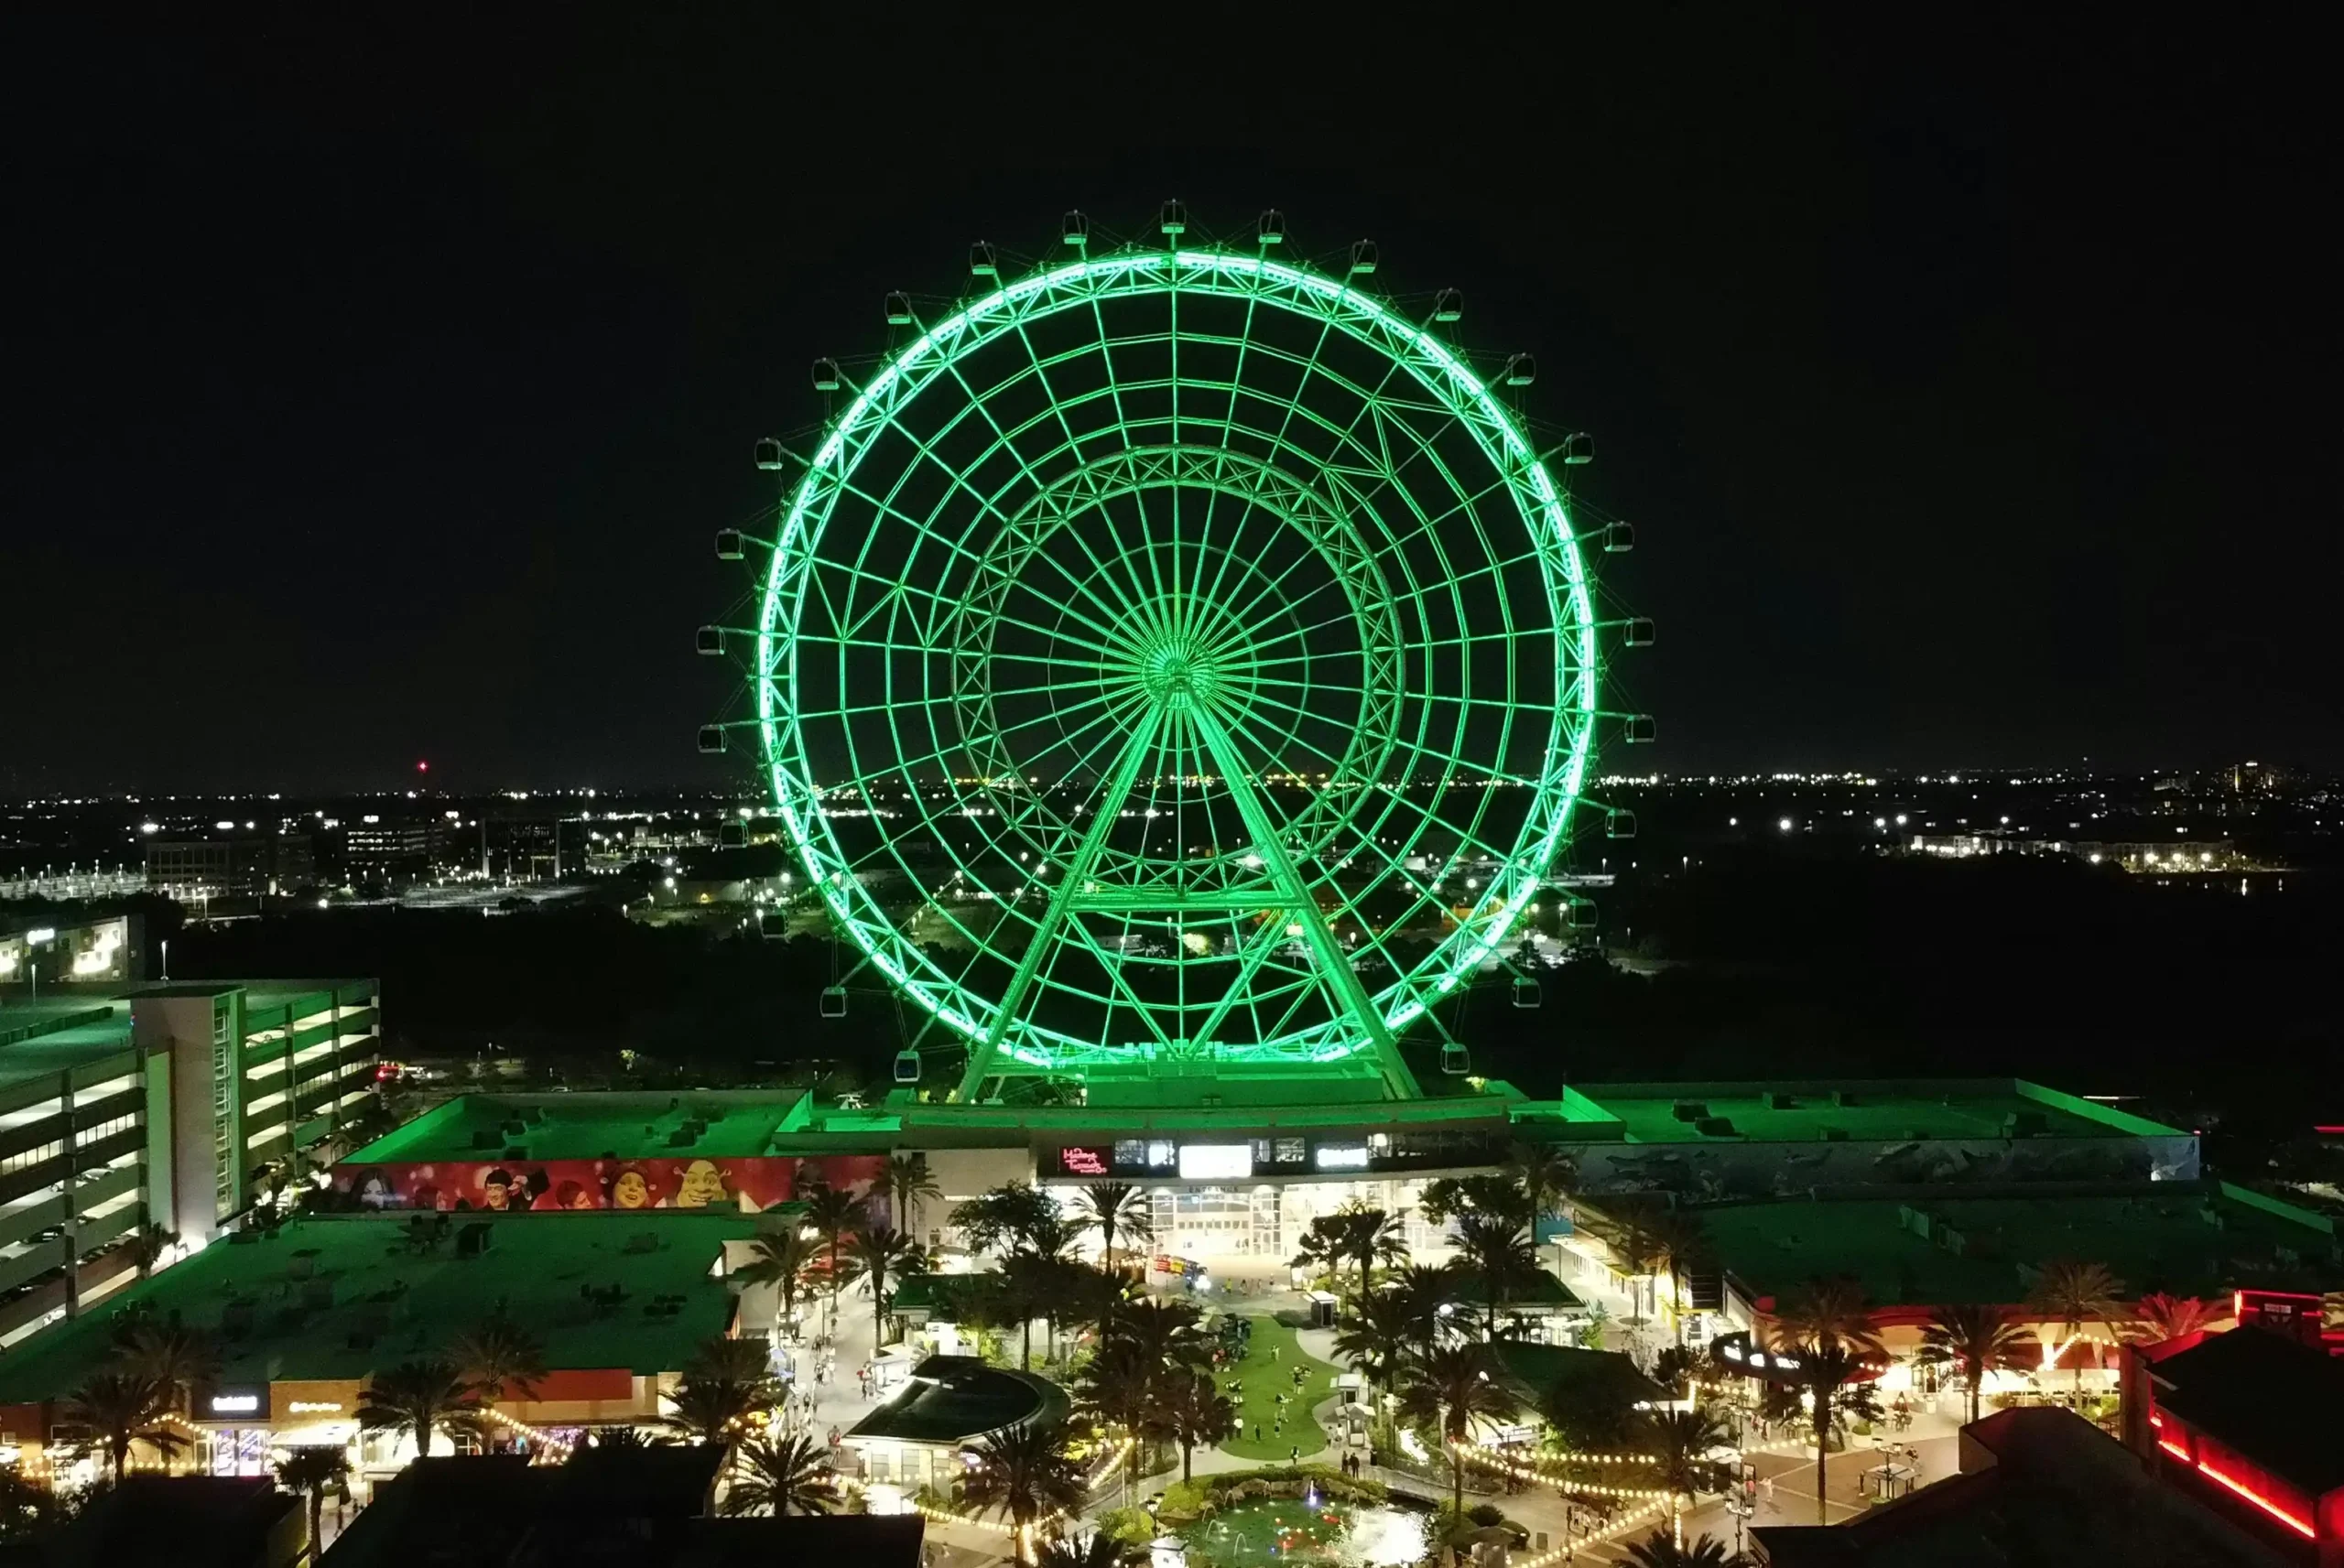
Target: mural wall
<point>746,1183</point>
<point>1738,1170</point>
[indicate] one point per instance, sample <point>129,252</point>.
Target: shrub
<point>1185,1500</point>
<point>1130,1526</point>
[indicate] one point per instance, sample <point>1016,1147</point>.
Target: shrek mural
<point>746,1185</point>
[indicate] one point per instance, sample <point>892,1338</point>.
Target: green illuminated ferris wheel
<point>1174,659</point>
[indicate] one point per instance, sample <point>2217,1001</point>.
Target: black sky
<point>378,384</point>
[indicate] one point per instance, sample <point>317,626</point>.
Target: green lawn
<point>1262,1378</point>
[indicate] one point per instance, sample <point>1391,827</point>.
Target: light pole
<point>39,936</point>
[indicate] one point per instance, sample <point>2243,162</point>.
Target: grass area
<point>1267,1371</point>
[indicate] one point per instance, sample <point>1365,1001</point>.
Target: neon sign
<point>1082,1160</point>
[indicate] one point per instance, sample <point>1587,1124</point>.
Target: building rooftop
<point>610,1508</point>
<point>339,1296</point>
<point>2274,1400</point>
<point>954,1398</point>
<point>1940,1246</point>
<point>2039,1484</point>
<point>40,1038</point>
<point>1861,1110</point>
<point>586,1127</point>
<point>1603,1376</point>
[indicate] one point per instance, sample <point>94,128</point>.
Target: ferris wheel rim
<point>1339,306</point>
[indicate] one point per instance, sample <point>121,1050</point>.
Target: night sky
<point>376,391</point>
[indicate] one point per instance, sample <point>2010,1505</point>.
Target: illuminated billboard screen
<point>1216,1161</point>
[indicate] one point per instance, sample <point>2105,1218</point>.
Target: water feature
<point>1283,1532</point>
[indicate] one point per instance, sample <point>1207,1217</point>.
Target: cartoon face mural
<point>747,1183</point>
<point>631,1189</point>
<point>703,1185</point>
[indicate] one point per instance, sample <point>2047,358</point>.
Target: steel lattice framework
<point>1173,661</point>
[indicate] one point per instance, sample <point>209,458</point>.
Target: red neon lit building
<point>2248,1422</point>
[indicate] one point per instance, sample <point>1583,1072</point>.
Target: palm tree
<point>1196,1413</point>
<point>171,1353</point>
<point>833,1212</point>
<point>1500,1253</point>
<point>1976,1340</point>
<point>792,1476</point>
<point>499,1357</point>
<point>1121,1387</point>
<point>150,1243</point>
<point>1680,1442</point>
<point>1097,1550</point>
<point>1826,1312</point>
<point>1114,1209</point>
<point>1042,1275</point>
<point>909,1183</point>
<point>1167,1333</point>
<point>124,1408</point>
<point>1542,1171</point>
<point>1027,1283</point>
<point>1322,1247</point>
<point>996,1218</point>
<point>1627,1228</point>
<point>717,1409</point>
<point>1426,1288</point>
<point>310,1472</point>
<point>781,1259</point>
<point>1024,1474</point>
<point>1450,1389</point>
<point>1829,1372</point>
<point>2165,1318</point>
<point>1371,1237</point>
<point>1657,1550</point>
<point>882,1254</point>
<point>1683,1243</point>
<point>2078,1296</point>
<point>1378,1338</point>
<point>420,1396</point>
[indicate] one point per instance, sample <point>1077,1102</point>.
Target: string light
<point>1483,1458</point>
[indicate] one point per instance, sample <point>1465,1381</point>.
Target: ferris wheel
<point>1169,658</point>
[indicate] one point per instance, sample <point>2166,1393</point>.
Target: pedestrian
<point>1294,1454</point>
<point>1274,1351</point>
<point>1258,1431</point>
<point>1766,1489</point>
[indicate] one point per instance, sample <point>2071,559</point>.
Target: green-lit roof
<point>416,1304</point>
<point>951,1399</point>
<point>42,1038</point>
<point>1543,1368</point>
<point>2187,1239</point>
<point>584,1127</point>
<point>1468,1287</point>
<point>1889,1110</point>
<point>261,996</point>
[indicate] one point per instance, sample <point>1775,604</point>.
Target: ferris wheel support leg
<point>1334,964</point>
<point>1078,871</point>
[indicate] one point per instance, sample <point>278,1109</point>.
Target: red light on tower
<point>423,767</point>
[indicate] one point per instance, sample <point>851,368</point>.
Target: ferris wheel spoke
<point>1070,881</point>
<point>1337,974</point>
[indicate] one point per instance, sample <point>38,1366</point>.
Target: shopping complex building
<point>305,1313</point>
<point>1235,1177</point>
<point>124,1105</point>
